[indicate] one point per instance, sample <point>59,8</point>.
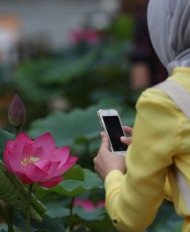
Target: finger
<point>95,162</point>
<point>126,140</point>
<point>105,143</point>
<point>128,130</point>
<point>103,133</point>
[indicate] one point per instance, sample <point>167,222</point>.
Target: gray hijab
<point>169,28</point>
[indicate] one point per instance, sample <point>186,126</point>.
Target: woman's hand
<point>106,161</point>
<point>127,140</point>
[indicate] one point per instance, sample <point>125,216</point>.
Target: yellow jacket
<point>161,136</point>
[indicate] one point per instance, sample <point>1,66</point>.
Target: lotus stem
<point>29,208</point>
<point>70,215</point>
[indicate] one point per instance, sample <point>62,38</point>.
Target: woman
<point>161,134</point>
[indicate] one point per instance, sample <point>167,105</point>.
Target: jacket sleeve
<point>167,190</point>
<point>133,199</point>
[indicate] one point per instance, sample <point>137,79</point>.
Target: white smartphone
<point>111,123</point>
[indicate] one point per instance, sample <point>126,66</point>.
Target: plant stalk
<point>7,219</point>
<point>69,228</point>
<point>17,130</point>
<point>29,208</point>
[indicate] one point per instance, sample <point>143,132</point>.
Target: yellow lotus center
<point>31,160</point>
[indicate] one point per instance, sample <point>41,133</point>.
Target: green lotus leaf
<point>38,76</point>
<point>56,210</point>
<point>74,173</point>
<point>73,188</point>
<point>80,126</point>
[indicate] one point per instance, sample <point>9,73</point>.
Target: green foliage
<point>74,187</point>
<point>74,173</point>
<point>4,135</point>
<point>81,216</point>
<point>44,73</point>
<point>65,127</point>
<point>47,224</point>
<point>121,22</point>
<point>76,75</point>
<point>97,220</point>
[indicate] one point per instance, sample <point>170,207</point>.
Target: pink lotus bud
<point>17,112</point>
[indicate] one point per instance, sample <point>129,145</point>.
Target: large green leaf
<point>67,70</point>
<point>74,173</point>
<point>103,225</point>
<point>91,181</point>
<point>38,76</point>
<point>73,188</point>
<point>97,220</point>
<point>77,126</point>
<point>66,127</point>
<point>57,210</point>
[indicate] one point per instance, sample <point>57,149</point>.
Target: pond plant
<point>40,183</point>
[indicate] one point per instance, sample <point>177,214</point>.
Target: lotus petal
<point>61,154</point>
<point>47,144</point>
<point>12,164</point>
<point>51,182</point>
<point>34,173</point>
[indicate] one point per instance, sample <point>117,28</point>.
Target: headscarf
<point>169,28</point>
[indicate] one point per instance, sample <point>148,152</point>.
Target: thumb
<point>105,142</point>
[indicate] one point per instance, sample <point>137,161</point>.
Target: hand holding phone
<point>111,123</point>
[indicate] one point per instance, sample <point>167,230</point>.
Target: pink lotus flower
<point>87,204</point>
<point>89,36</point>
<point>37,161</point>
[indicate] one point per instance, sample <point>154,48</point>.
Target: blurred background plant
<point>66,59</point>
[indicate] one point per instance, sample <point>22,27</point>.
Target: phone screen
<point>114,130</point>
